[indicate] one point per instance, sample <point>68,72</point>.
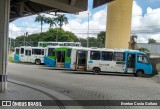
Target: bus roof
<point>106,49</point>
<point>31,47</point>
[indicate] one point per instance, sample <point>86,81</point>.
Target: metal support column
<point>4,25</point>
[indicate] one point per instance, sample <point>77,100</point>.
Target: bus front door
<point>131,63</point>
<point>81,60</point>
<point>27,57</point>
<point>60,58</point>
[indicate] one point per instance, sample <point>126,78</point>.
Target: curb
<point>47,92</point>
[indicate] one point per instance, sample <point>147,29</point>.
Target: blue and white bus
<point>29,54</point>
<point>110,60</point>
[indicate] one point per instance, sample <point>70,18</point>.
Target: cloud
<point>14,31</point>
<point>79,25</point>
<point>146,26</point>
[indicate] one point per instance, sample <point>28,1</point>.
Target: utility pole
<point>24,39</point>
<point>25,34</point>
<point>10,39</point>
<point>88,31</point>
<point>57,35</point>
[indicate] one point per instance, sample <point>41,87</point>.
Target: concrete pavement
<point>23,91</point>
<point>86,86</point>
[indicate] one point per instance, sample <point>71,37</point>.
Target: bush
<point>10,59</point>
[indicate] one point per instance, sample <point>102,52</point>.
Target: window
<point>42,51</point>
<point>61,44</point>
<point>81,54</point>
<point>143,59</point>
<point>51,52</point>
<point>119,56</point>
<point>106,56</point>
<point>37,51</point>
<point>22,50</point>
<point>69,53</point>
<point>17,51</point>
<point>95,55</point>
<point>28,52</point>
<point>54,44</point>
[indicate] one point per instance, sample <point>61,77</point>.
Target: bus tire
<point>96,71</point>
<point>37,61</point>
<point>139,73</point>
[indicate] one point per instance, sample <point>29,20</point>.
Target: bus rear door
<point>27,56</point>
<point>60,54</point>
<point>130,62</point>
<point>81,60</point>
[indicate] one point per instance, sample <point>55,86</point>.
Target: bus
<point>73,44</point>
<point>30,54</point>
<point>45,44</point>
<point>16,54</point>
<point>111,60</point>
<point>50,57</point>
<point>58,56</point>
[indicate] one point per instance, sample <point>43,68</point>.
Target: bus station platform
<point>19,93</point>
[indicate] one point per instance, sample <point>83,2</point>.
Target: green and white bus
<point>58,56</point>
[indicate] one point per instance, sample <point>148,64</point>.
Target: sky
<point>145,22</point>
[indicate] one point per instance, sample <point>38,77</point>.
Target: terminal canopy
<point>22,8</point>
<point>97,3</point>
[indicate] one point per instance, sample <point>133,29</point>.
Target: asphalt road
<point>86,86</point>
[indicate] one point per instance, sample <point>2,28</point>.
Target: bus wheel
<point>38,61</point>
<point>139,73</point>
<point>96,71</point>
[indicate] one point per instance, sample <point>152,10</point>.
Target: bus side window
<point>22,50</point>
<point>143,59</point>
<point>51,52</point>
<point>37,51</point>
<point>119,56</point>
<point>17,51</point>
<point>28,52</point>
<point>69,53</point>
<point>106,56</point>
<point>95,55</point>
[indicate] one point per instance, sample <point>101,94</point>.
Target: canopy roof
<point>22,8</point>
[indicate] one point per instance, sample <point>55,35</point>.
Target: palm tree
<point>50,21</point>
<point>42,19</point>
<point>61,19</point>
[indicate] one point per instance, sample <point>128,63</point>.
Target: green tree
<point>101,39</point>
<point>92,42</point>
<point>42,19</point>
<point>83,42</point>
<point>61,19</point>
<point>50,21</point>
<point>145,50</point>
<point>152,41</point>
<point>50,35</point>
